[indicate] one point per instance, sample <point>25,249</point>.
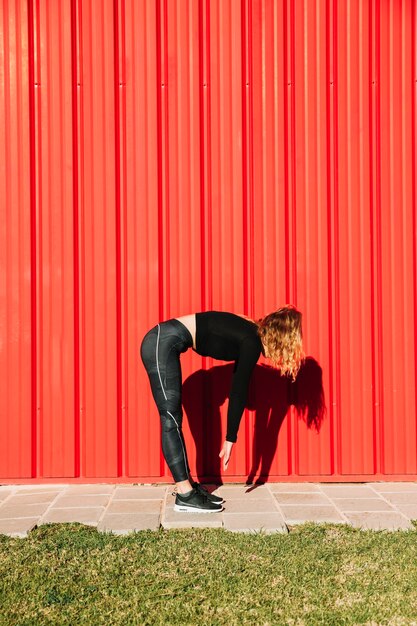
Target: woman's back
<point>220,335</point>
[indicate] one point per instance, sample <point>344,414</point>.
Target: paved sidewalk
<point>271,507</point>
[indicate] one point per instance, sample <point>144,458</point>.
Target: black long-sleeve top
<point>229,337</point>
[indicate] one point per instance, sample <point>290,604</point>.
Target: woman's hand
<point>226,452</point>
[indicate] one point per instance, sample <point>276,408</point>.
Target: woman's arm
<point>248,357</point>
<point>249,354</point>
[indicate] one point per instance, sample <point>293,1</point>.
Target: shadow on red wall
<point>270,395</point>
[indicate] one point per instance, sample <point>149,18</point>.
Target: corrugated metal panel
<point>165,157</point>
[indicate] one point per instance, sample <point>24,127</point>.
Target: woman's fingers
<point>225,460</point>
<point>225,452</point>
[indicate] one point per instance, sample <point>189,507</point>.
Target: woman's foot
<point>211,496</point>
<point>195,502</point>
<point>185,486</point>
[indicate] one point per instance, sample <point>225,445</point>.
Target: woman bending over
<point>227,337</point>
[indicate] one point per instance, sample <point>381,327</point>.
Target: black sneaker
<point>211,496</point>
<point>195,502</point>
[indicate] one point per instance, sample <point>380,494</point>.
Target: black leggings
<point>160,352</point>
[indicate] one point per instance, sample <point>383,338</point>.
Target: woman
<point>220,335</point>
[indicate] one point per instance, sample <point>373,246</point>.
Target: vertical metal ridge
<point>247,154</point>
<point>5,216</point>
<point>117,138</point>
<point>203,88</point>
<point>216,119</point>
<point>251,271</point>
<point>244,88</point>
<point>364,184</point>
<point>288,110</point>
<point>124,253</point>
<point>372,204</point>
<point>377,321</point>
<point>209,276</point>
<point>277,90</point>
<point>293,214</point>
<point>202,93</point>
<point>413,175</point>
<point>33,248</point>
<point>335,251</point>
<point>75,198</point>
<point>160,173</point>
<point>290,147</point>
<point>81,237</point>
<point>330,279</point>
<point>159,158</point>
<point>124,339</point>
<point>286,148</point>
<point>305,90</point>
<point>166,204</point>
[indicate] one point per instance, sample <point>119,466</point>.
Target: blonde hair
<point>281,333</point>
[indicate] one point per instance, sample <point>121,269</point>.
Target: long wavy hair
<point>281,333</point>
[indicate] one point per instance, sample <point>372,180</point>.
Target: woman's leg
<point>160,352</point>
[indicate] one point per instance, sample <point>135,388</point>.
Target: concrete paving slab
<point>18,527</point>
<point>31,488</point>
<point>260,505</point>
<point>96,489</point>
<point>124,523</point>
<point>301,498</point>
<point>18,511</point>
<point>362,504</point>
<point>34,498</point>
<point>294,487</point>
<point>25,489</point>
<point>409,510</point>
<point>401,497</point>
<point>379,521</point>
<point>243,491</point>
<point>82,500</point>
<point>139,493</point>
<point>135,506</point>
<point>5,494</point>
<point>83,515</point>
<point>299,513</point>
<point>255,522</point>
<point>348,491</point>
<point>395,487</point>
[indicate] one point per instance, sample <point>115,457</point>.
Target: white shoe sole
<point>183,508</point>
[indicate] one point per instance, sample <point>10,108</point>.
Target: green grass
<point>326,574</point>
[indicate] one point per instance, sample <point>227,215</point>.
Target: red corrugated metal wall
<point>161,157</point>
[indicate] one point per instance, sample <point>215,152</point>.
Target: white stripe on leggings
<point>157,363</point>
<point>176,423</point>
<point>179,435</point>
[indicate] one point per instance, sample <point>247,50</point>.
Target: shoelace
<point>204,495</point>
<point>199,488</point>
